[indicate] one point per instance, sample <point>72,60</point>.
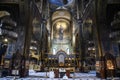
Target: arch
<point>61,55</point>
<point>61,52</point>
<point>61,14</point>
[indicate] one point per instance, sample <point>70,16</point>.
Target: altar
<point>60,72</point>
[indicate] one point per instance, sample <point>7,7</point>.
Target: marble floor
<point>33,78</point>
<point>45,76</point>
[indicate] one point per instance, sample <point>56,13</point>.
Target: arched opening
<point>61,55</point>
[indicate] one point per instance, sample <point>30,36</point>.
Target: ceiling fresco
<point>61,2</point>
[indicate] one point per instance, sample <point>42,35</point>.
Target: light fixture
<point>91,48</point>
<point>5,40</point>
<point>33,48</point>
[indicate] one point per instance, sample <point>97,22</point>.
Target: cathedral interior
<point>44,35</point>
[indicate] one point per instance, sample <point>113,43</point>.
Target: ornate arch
<point>61,52</point>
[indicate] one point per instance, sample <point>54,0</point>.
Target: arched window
<point>68,51</point>
<point>54,51</point>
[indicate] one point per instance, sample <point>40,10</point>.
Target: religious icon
<point>61,33</point>
<point>110,64</point>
